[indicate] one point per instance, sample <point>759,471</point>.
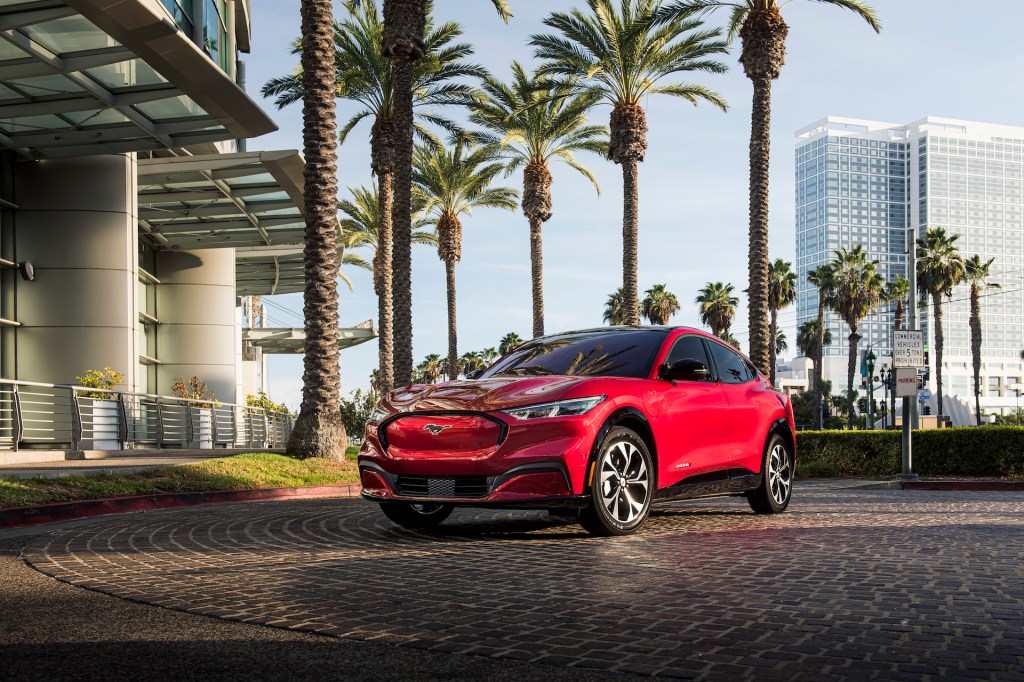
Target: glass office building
<point>872,184</point>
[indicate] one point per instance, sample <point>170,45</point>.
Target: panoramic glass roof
<point>69,87</point>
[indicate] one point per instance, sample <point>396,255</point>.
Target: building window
<point>181,10</point>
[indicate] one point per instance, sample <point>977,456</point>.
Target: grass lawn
<point>256,470</point>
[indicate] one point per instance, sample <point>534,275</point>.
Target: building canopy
<point>286,341</point>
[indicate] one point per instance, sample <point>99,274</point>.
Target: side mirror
<point>474,373</point>
<point>687,369</point>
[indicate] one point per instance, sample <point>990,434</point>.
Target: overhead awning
<point>81,77</point>
<point>265,271</point>
<point>248,199</point>
<point>283,341</point>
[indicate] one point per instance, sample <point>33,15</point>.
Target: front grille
<point>439,486</point>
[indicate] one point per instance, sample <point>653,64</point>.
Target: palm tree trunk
<point>402,216</point>
<point>851,366</point>
<point>819,416</point>
<point>453,341</point>
<point>773,349</point>
<point>537,268</point>
<point>385,315</point>
<point>937,301</point>
<point>757,265</point>
<point>630,239</point>
<point>976,348</point>
<point>318,431</point>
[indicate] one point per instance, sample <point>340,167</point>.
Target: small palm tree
<point>857,289</point>
<point>452,182</point>
<point>763,32</point>
<point>659,304</point>
<point>731,340</point>
<point>364,76</point>
<point>897,291</point>
<point>469,362</point>
<point>614,312</point>
<point>781,343</point>
<point>508,342</point>
<point>717,307</point>
<point>624,58</point>
<point>782,283</point>
<point>822,278</point>
<point>405,23</point>
<point>940,268</point>
<point>531,123</point>
<point>318,431</point>
<point>431,368</point>
<point>489,355</point>
<point>976,273</point>
<point>807,343</point>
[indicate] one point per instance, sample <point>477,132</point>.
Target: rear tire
<point>776,489</point>
<point>622,485</point>
<point>416,516</point>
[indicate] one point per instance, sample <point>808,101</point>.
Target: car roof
<point>621,328</point>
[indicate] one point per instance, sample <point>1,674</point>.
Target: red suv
<point>600,423</point>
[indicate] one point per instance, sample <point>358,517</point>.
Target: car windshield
<point>590,354</point>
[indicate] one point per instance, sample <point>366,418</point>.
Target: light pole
<point>1017,389</point>
<point>885,375</point>
<point>870,361</point>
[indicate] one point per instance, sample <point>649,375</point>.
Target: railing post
<point>76,421</point>
<point>17,420</point>
<point>122,422</point>
<point>190,429</point>
<point>250,442</point>
<point>234,426</point>
<point>159,424</point>
<point>213,426</point>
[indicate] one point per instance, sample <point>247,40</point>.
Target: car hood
<point>485,395</point>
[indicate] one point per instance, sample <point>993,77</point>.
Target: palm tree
<point>807,343</point>
<point>939,269</point>
<point>659,304</point>
<point>781,294</point>
<point>531,123</point>
<point>431,368</point>
<point>404,29</point>
<point>897,291</point>
<point>508,342</point>
<point>730,339</point>
<point>614,309</point>
<point>857,288</point>
<point>318,431</point>
<point>489,355</point>
<point>624,58</point>
<point>364,76</point>
<point>763,31</point>
<point>452,183</point>
<point>781,343</point>
<point>976,273</point>
<point>821,277</point>
<point>717,307</point>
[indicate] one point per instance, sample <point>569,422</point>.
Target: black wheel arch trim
<point>611,421</point>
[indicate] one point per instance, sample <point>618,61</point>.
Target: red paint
<point>461,436</point>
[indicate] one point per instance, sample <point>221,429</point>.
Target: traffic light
<point>927,410</point>
<point>862,405</point>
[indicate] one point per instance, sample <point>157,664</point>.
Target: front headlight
<point>378,415</point>
<point>562,408</point>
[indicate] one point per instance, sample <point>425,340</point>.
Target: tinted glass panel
<point>689,348</point>
<point>615,354</point>
<point>731,368</point>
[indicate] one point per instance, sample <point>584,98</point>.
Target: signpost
<point>907,356</point>
<point>906,383</point>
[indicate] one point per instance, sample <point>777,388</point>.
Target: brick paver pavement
<point>848,584</point>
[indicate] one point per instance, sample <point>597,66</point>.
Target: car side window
<point>731,367</point>
<point>752,374</point>
<point>688,347</point>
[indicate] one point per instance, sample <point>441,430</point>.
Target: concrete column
<point>77,224</point>
<point>195,303</point>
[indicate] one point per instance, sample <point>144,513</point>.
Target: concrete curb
<point>16,517</point>
<point>977,486</point>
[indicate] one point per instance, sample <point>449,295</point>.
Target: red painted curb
<point>65,511</point>
<point>977,486</point>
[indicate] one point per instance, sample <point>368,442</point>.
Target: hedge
<point>989,451</point>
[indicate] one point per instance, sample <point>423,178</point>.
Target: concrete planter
<point>105,425</point>
<point>202,428</point>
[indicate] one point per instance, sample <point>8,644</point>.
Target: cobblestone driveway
<point>848,583</point>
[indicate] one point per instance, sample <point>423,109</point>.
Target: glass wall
<point>181,10</point>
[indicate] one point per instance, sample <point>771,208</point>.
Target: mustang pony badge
<point>435,428</point>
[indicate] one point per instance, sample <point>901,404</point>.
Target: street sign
<point>908,349</point>
<point>906,382</point>
<point>924,395</point>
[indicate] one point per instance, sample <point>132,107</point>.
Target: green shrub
<point>974,451</point>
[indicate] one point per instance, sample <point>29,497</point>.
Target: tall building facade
<point>878,185</point>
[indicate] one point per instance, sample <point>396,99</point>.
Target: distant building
<point>869,183</point>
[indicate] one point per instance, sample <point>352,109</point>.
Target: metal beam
<point>194,194</point>
<point>15,20</point>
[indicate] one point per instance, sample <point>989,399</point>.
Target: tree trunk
<point>453,340</point>
<point>630,237</point>
<point>757,264</point>
<point>385,315</point>
<point>537,268</point>
<point>937,300</point>
<point>402,216</point>
<point>976,348</point>
<point>318,431</point>
<point>850,370</point>
<point>537,208</point>
<point>819,417</point>
<point>773,349</point>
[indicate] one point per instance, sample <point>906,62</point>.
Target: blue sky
<point>932,58</point>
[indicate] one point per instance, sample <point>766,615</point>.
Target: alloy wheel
<point>780,474</point>
<point>625,482</point>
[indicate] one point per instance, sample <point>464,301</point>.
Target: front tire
<point>622,485</point>
<point>416,516</point>
<point>776,489</point>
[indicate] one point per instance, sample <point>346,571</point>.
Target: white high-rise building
<point>870,183</point>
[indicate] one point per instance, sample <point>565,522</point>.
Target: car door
<point>694,417</point>
<point>744,393</point>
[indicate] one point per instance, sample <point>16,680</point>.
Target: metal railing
<point>54,416</point>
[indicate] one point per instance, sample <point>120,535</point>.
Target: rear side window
<point>689,348</point>
<point>731,367</point>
